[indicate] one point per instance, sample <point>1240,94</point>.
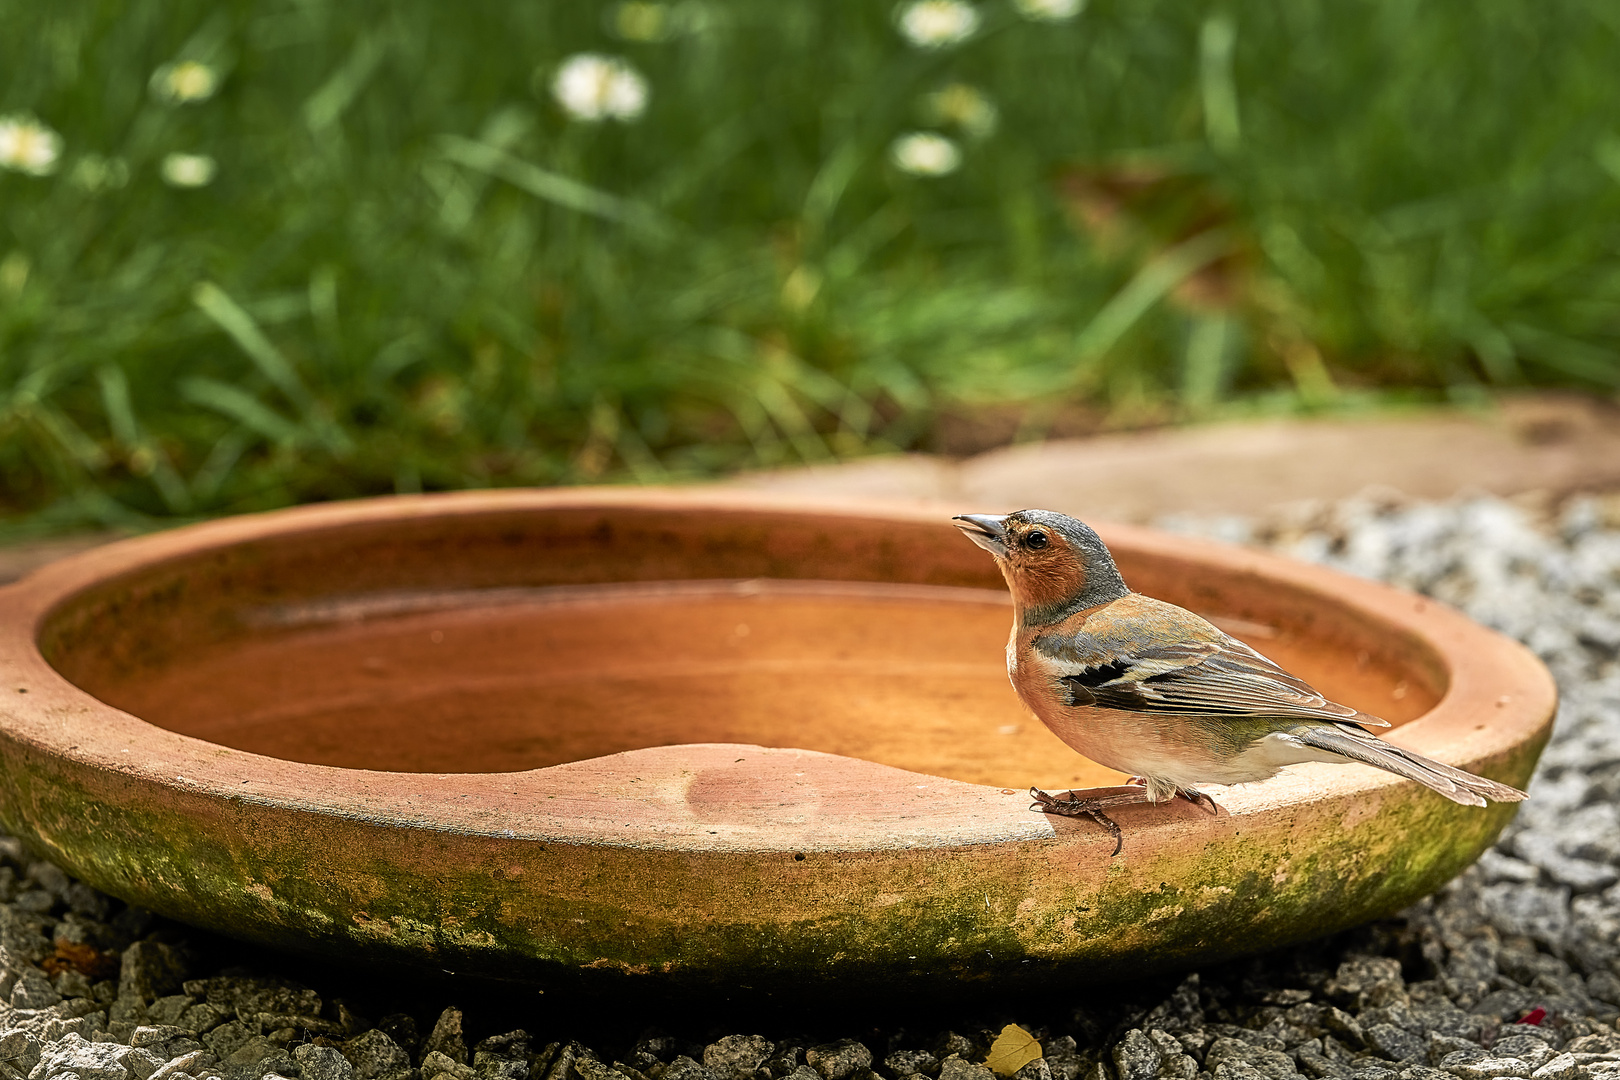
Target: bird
<point>1159,693</point>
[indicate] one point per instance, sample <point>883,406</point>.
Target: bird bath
<point>698,737</point>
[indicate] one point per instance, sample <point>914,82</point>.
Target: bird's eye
<point>1035,540</point>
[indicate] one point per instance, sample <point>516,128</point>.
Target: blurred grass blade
<point>115,400</point>
<point>326,105</point>
<point>81,447</point>
<point>1216,40</point>
<point>1206,357</point>
<point>1147,288</point>
<point>208,479</point>
<point>242,407</point>
<point>827,189</point>
<point>554,187</point>
<point>235,321</point>
<point>1567,355</point>
<point>1608,156</point>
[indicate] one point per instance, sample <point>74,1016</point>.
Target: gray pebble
<point>33,990</point>
<point>956,1067</point>
<point>225,1039</point>
<point>322,1063</point>
<point>1395,1043</point>
<point>685,1068</point>
<point>1246,1059</point>
<point>150,970</point>
<point>1486,1068</point>
<point>373,1054</point>
<point>87,1060</point>
<point>838,1060</point>
<point>911,1063</point>
<point>738,1057</point>
<point>446,1037</point>
<point>591,1069</point>
<point>1562,1067</point>
<point>184,1065</point>
<point>1136,1057</point>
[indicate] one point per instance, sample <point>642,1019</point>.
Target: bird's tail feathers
<point>1454,784</point>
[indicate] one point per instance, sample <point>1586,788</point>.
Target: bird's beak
<point>987,530</point>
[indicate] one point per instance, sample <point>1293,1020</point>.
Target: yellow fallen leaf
<point>1013,1049</point>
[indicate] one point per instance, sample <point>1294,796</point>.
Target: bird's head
<point>1053,564</point>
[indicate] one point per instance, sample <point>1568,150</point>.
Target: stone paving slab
<point>1544,443</point>
<point>1553,444</point>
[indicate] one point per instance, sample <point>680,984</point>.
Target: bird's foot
<point>1072,806</point>
<point>1198,799</point>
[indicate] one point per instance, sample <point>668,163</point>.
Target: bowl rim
<point>1488,675</point>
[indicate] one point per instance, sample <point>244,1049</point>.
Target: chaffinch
<point>1154,691</point>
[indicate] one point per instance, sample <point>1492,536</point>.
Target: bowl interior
<point>496,643</point>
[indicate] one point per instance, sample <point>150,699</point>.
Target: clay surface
<point>697,735</point>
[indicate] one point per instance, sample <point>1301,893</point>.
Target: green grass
<point>412,271</point>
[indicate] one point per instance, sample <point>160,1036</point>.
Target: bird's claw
<point>1071,806</point>
<point>1198,799</point>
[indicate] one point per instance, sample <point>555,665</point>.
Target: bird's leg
<point>1073,806</point>
<point>1198,799</point>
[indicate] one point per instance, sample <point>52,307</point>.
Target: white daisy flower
<point>1049,10</point>
<point>189,170</point>
<point>27,146</point>
<point>593,87</point>
<point>186,81</point>
<point>933,24</point>
<point>922,153</point>
<point>962,106</point>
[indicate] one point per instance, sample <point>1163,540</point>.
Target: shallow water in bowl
<point>502,680</point>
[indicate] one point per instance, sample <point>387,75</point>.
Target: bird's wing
<point>1198,671</point>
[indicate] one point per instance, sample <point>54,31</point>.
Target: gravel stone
<point>142,1063</point>
<point>149,970</point>
<point>1244,1060</point>
<point>1533,1050</point>
<point>956,1067</point>
<point>435,1064</point>
<point>87,1060</point>
<point>836,1060</point>
<point>1395,1043</point>
<point>156,1035</point>
<point>226,1039</point>
<point>1313,1063</point>
<point>1562,1067</point>
<point>1489,1067</point>
<point>1038,1069</point>
<point>738,1057</point>
<point>685,1068</point>
<point>184,1065</point>
<point>374,1055</point>
<point>1136,1057</point>
<point>911,1063</point>
<point>591,1069</point>
<point>168,1010</point>
<point>1363,977</point>
<point>33,990</point>
<point>446,1037</point>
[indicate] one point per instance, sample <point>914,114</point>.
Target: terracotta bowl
<point>694,736</point>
